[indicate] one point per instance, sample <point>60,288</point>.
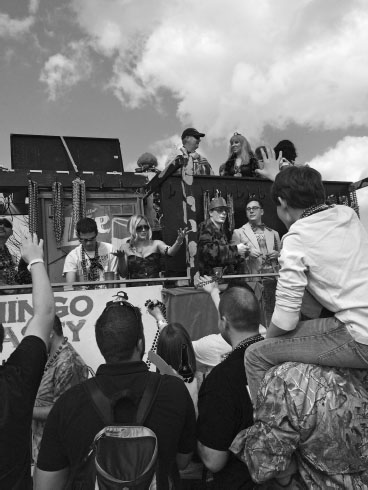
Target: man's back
<point>72,424</point>
<point>331,247</point>
<point>224,408</point>
<point>19,380</point>
<point>320,414</point>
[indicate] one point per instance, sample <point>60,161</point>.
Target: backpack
<point>121,457</point>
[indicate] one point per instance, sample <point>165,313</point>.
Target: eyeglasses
<point>254,208</point>
<point>87,240</point>
<point>142,228</point>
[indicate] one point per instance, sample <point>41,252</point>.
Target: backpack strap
<point>149,395</point>
<point>100,401</point>
<point>105,405</point>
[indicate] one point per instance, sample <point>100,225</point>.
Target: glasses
<point>254,208</point>
<point>142,228</point>
<point>122,301</point>
<point>87,240</point>
<point>220,210</point>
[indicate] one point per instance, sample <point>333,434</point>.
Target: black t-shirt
<point>224,409</point>
<point>73,423</point>
<point>20,378</point>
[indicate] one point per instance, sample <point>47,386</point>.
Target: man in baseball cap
<point>188,157</point>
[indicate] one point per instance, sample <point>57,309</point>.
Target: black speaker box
<point>40,152</point>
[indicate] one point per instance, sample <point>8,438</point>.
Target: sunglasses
<point>142,228</point>
<point>254,208</point>
<point>122,302</point>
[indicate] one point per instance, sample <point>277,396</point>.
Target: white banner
<point>78,312</point>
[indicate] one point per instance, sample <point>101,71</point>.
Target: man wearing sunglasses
<point>214,249</point>
<point>89,260</point>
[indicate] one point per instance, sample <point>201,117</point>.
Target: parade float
<point>54,181</point>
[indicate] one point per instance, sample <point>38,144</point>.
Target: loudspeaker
<point>40,152</point>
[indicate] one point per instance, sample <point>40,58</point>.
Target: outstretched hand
<point>31,248</point>
<point>271,166</point>
<point>182,233</point>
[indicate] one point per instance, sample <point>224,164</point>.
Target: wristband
<point>161,323</point>
<point>34,261</point>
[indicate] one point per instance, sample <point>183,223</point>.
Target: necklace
<point>314,209</point>
<point>244,344</point>
<point>93,273</point>
<point>53,358</point>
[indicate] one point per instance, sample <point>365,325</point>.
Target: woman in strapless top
<point>140,256</point>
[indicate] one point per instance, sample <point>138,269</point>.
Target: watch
<point>34,261</point>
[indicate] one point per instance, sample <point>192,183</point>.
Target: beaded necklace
<point>314,209</point>
<point>244,344</point>
<point>92,274</point>
<point>52,359</point>
<point>7,266</point>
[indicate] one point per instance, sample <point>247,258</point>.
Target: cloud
<point>347,161</point>
<point>61,72</point>
<point>14,28</point>
<point>240,67</point>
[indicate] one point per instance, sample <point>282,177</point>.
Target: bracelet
<point>34,261</point>
<point>203,283</point>
<point>161,323</point>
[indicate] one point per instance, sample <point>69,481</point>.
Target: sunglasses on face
<point>220,210</point>
<point>142,228</point>
<point>254,208</point>
<point>87,240</point>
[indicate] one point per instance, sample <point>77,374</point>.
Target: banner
<point>78,312</point>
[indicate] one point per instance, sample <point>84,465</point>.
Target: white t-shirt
<point>328,253</point>
<point>73,261</point>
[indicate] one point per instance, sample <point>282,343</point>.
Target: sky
<point>143,70</point>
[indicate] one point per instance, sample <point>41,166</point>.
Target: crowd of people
<point>242,161</point>
<point>282,407</point>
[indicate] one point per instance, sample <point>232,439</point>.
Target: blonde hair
<point>132,227</point>
<point>245,150</point>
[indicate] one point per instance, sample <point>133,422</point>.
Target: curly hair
<point>132,227</point>
<point>248,160</point>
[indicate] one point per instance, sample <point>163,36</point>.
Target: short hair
<point>133,223</point>
<point>86,225</point>
<point>5,222</point>
<point>241,309</point>
<point>2,335</point>
<point>169,345</point>
<point>301,187</point>
<point>288,150</point>
<point>118,330</point>
<point>253,199</point>
<point>57,327</point>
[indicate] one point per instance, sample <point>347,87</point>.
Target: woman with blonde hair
<point>140,256</point>
<point>241,161</point>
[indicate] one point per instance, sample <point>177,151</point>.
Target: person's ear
<point>282,202</point>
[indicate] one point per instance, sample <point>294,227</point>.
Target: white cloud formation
<point>61,72</point>
<point>237,66</point>
<point>347,161</point>
<point>14,28</point>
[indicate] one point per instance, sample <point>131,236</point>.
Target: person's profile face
<point>191,143</point>
<point>5,232</point>
<point>218,215</point>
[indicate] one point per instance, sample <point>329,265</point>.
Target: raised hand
<point>271,166</point>
<point>31,248</point>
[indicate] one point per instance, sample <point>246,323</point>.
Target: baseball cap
<point>192,132</point>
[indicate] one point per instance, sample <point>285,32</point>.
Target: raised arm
<point>42,297</point>
<point>174,249</point>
